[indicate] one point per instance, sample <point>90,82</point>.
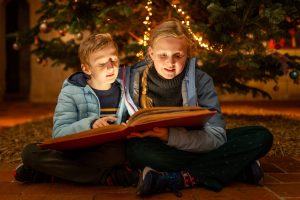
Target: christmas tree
<point>232,35</point>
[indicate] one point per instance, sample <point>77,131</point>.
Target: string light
<point>140,54</point>
<point>186,21</point>
<point>147,23</point>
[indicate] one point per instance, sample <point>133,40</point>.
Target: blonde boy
<point>88,99</point>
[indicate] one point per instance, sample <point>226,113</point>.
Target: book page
<point>163,115</point>
<point>143,114</point>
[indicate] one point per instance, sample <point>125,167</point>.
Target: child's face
<point>169,55</point>
<point>103,68</point>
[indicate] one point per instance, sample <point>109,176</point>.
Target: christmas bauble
<point>44,27</point>
<point>277,46</point>
<point>45,62</point>
<point>79,36</point>
<point>294,74</point>
<point>62,32</point>
<point>39,60</point>
<point>36,41</point>
<point>276,88</point>
<point>16,46</point>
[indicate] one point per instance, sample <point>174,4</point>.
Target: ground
<point>281,166</point>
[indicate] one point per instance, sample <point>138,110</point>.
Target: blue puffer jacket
<point>78,106</point>
<point>197,90</point>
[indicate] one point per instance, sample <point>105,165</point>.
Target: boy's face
<point>169,55</point>
<point>103,67</point>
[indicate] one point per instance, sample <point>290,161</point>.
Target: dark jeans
<point>213,169</point>
<point>91,166</point>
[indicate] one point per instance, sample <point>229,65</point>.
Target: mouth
<point>109,75</point>
<point>170,70</point>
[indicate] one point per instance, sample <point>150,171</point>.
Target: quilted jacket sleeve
<point>213,135</point>
<point>67,118</point>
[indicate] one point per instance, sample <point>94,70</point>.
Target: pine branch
<point>238,35</point>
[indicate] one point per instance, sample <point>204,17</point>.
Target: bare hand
<point>124,124</point>
<point>161,133</point>
<point>104,121</point>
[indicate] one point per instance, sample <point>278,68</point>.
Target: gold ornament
<point>36,41</point>
<point>39,60</point>
<point>16,46</point>
<point>44,27</point>
<point>79,36</point>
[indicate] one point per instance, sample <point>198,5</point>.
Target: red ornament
<point>282,42</point>
<point>62,32</point>
<point>271,44</point>
<point>277,46</point>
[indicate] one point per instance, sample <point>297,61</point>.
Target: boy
<point>89,99</point>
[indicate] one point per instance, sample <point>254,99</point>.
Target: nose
<point>171,61</point>
<point>110,64</point>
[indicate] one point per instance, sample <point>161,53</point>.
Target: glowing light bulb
<point>187,23</point>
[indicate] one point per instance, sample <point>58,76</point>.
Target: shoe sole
<point>261,180</point>
<point>140,184</point>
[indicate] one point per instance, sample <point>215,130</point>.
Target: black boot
<point>28,175</point>
<point>252,174</point>
<point>152,182</point>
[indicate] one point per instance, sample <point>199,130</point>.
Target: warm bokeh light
<point>186,22</point>
<point>147,23</point>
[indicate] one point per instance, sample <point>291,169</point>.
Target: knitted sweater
<point>197,90</point>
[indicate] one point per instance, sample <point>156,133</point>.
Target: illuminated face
<point>169,55</point>
<point>103,67</point>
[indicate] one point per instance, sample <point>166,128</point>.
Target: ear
<point>86,69</point>
<point>150,52</point>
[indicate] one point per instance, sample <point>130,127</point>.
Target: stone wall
<point>46,81</point>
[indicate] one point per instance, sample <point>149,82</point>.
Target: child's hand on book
<point>104,121</point>
<point>161,133</point>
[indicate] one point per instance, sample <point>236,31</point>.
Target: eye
<point>112,60</point>
<point>102,64</point>
<point>179,56</point>
<point>163,55</point>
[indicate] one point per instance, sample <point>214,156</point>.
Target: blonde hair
<point>172,28</point>
<point>93,43</point>
<point>168,28</point>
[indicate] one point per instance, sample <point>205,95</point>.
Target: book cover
<point>142,120</point>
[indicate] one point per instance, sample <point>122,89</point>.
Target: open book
<point>142,120</point>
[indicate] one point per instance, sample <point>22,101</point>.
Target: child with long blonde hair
<point>209,156</point>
